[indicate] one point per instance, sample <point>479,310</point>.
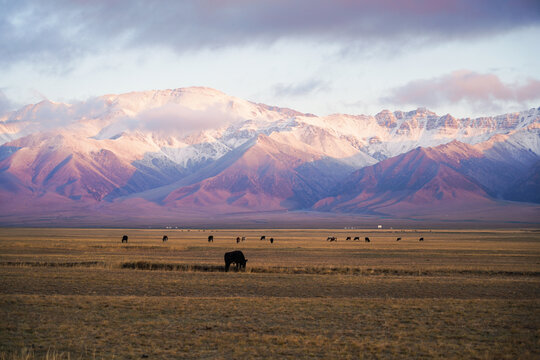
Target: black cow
<point>356,238</point>
<point>165,238</point>
<point>124,238</point>
<point>348,238</point>
<point>421,239</point>
<point>243,238</point>
<point>398,239</point>
<point>237,239</point>
<point>235,257</point>
<point>271,240</point>
<point>211,238</point>
<point>331,238</point>
<point>263,237</point>
<point>366,239</point>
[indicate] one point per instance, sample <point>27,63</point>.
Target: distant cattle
<point>124,238</point>
<point>165,238</point>
<point>211,238</point>
<point>331,238</point>
<point>263,237</point>
<point>271,240</point>
<point>398,239</point>
<point>421,239</point>
<point>235,257</point>
<point>356,238</point>
<point>366,239</point>
<point>348,238</point>
<point>237,239</point>
<point>243,238</point>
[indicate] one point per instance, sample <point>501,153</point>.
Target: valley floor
<point>80,293</point>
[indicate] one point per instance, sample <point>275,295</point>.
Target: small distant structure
<point>379,226</point>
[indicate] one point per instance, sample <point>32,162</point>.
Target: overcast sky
<point>464,57</point>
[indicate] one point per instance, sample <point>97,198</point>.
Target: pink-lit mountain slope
<point>180,152</point>
<point>422,176</point>
<point>269,175</point>
<point>434,181</point>
<point>64,165</point>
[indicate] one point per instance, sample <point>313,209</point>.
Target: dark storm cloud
<point>61,30</point>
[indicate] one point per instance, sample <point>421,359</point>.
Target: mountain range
<point>198,156</point>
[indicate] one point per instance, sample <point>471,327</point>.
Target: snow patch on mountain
<point>167,140</point>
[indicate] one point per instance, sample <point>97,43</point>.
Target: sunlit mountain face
<point>198,153</point>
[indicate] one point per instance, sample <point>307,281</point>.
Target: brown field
<point>80,293</point>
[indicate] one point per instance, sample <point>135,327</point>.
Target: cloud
<point>172,119</point>
<point>5,104</point>
<point>64,30</point>
<point>178,119</point>
<point>299,89</point>
<point>464,86</point>
<point>47,115</point>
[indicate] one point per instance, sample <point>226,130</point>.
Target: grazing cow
<point>124,238</point>
<point>398,239</point>
<point>356,238</point>
<point>243,238</point>
<point>348,238</point>
<point>366,239</point>
<point>271,240</point>
<point>263,237</point>
<point>210,238</point>
<point>421,239</point>
<point>235,257</point>
<point>165,238</point>
<point>331,238</point>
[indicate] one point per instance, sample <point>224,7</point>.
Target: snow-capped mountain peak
<point>151,144</point>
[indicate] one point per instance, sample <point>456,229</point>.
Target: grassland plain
<point>80,293</point>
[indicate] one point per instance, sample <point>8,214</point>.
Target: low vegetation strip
<point>346,270</point>
<point>145,265</point>
<point>318,270</point>
<point>52,263</point>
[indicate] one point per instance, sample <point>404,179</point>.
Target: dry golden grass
<point>80,293</point>
<point>240,327</point>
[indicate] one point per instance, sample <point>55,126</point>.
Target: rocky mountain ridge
<point>199,148</point>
